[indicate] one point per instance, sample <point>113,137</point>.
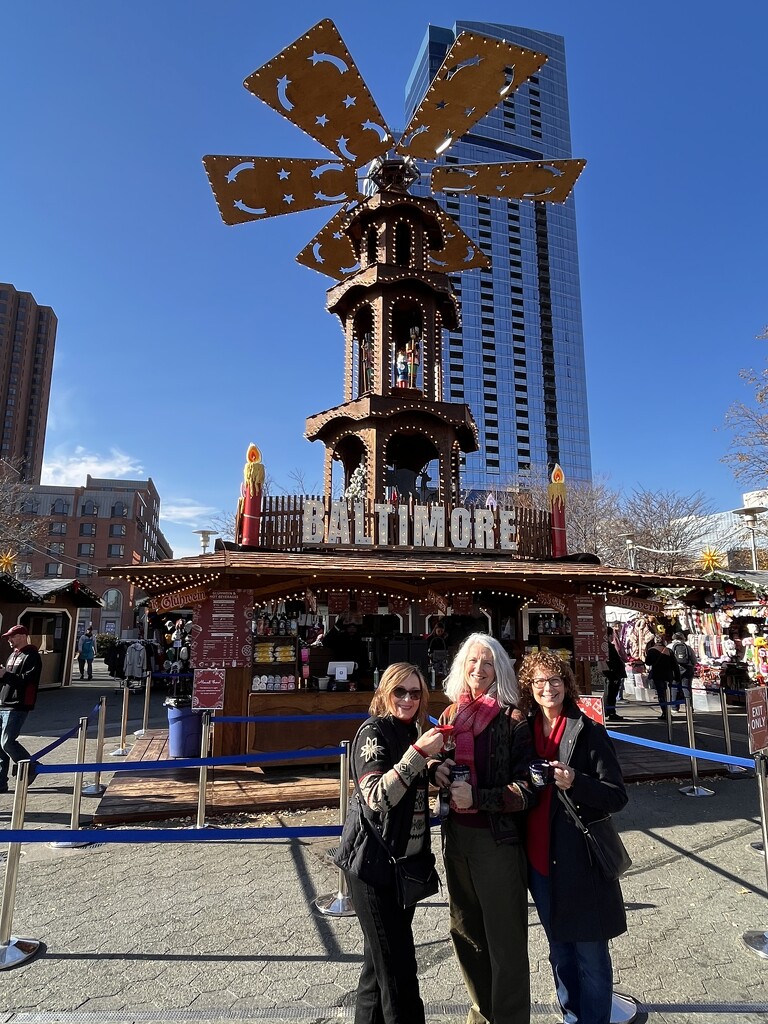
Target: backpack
<point>88,649</point>
<point>681,653</point>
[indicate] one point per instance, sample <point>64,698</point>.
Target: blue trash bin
<point>185,732</point>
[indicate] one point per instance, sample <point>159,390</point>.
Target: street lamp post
<point>205,538</point>
<point>631,550</point>
<point>749,515</point>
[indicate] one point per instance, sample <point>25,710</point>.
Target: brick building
<point>27,339</point>
<point>106,522</point>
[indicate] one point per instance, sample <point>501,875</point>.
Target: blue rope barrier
<point>219,719</point>
<point>165,835</point>
<point>57,743</point>
<point>672,748</point>
<point>188,762</point>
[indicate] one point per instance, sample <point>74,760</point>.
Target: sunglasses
<point>401,693</point>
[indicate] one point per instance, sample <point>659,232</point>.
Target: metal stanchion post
<point>14,951</point>
<point>203,778</point>
<point>96,788</point>
<point>757,941</point>
<point>623,1009</point>
<point>668,713</point>
<point>732,769</point>
<point>339,903</point>
<point>147,697</point>
<point>77,790</point>
<point>122,750</point>
<point>694,789</point>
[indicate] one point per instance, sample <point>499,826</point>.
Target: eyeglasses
<point>401,693</point>
<point>554,681</point>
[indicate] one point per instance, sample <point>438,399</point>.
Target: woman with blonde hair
<point>389,758</point>
<point>484,832</point>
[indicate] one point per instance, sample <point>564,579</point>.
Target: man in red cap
<point>19,683</point>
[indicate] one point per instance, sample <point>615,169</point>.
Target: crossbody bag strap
<point>568,804</point>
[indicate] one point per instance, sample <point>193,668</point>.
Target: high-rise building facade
<point>518,358</point>
<point>107,522</point>
<point>27,339</point>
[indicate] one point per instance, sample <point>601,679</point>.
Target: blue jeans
<point>582,970</point>
<point>11,722</point>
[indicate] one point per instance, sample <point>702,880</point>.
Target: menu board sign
<point>225,637</point>
<point>587,615</point>
<point>208,689</point>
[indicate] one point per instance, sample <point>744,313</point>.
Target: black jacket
<point>19,685</point>
<point>585,907</point>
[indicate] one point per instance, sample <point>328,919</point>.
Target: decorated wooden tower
<point>393,310</point>
<point>389,251</point>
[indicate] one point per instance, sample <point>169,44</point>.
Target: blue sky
<point>181,340</point>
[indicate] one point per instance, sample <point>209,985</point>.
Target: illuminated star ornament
<point>7,561</point>
<point>711,559</point>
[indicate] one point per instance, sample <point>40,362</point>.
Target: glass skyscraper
<point>518,359</point>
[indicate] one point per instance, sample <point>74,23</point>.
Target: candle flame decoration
<point>248,518</point>
<point>7,561</point>
<point>711,559</point>
<point>556,492</point>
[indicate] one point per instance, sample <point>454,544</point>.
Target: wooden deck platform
<point>159,795</point>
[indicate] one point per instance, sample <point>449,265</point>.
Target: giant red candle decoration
<point>249,505</point>
<point>557,508</point>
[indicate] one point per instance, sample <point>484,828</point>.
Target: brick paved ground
<point>216,932</point>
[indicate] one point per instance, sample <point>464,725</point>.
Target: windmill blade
<point>459,252</point>
<point>257,187</point>
<point>315,84</point>
<point>548,181</point>
<point>330,251</point>
<point>477,73</point>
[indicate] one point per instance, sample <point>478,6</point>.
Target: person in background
<point>484,833</point>
<point>389,757</point>
<point>686,665</point>
<point>613,678</point>
<point>664,670</point>
<point>437,649</point>
<point>19,683</point>
<point>345,643</point>
<point>86,652</point>
<point>579,909</point>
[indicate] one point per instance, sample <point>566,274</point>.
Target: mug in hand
<point>542,773</point>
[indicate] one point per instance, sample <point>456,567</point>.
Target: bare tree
<point>668,528</point>
<point>748,456</point>
<point>19,526</point>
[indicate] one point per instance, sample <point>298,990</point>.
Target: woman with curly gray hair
<point>579,909</point>
<point>484,831</point>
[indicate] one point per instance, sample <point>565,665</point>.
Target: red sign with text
<point>757,718</point>
<point>208,689</point>
<point>587,615</point>
<point>592,708</point>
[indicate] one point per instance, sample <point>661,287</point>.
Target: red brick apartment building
<point>107,522</point>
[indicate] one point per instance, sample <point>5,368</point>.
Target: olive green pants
<point>488,900</point>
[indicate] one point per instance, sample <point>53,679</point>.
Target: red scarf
<point>537,842</point>
<point>473,715</point>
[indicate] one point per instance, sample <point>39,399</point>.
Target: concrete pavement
<point>216,932</point>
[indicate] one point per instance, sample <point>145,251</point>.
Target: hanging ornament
<point>711,559</point>
<point>7,561</point>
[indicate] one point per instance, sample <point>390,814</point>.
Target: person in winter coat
<point>389,757</point>
<point>613,679</point>
<point>86,652</point>
<point>19,683</point>
<point>484,833</point>
<point>664,671</point>
<point>686,664</point>
<point>579,909</point>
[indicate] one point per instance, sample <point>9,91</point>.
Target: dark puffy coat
<point>19,685</point>
<point>585,907</point>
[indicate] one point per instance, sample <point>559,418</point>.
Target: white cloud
<point>186,512</point>
<point>70,469</point>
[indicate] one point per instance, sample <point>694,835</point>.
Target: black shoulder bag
<point>606,850</point>
<point>364,853</point>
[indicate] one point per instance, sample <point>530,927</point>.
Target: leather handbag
<point>606,850</point>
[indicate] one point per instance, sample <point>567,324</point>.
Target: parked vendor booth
<point>257,615</point>
<point>48,609</point>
